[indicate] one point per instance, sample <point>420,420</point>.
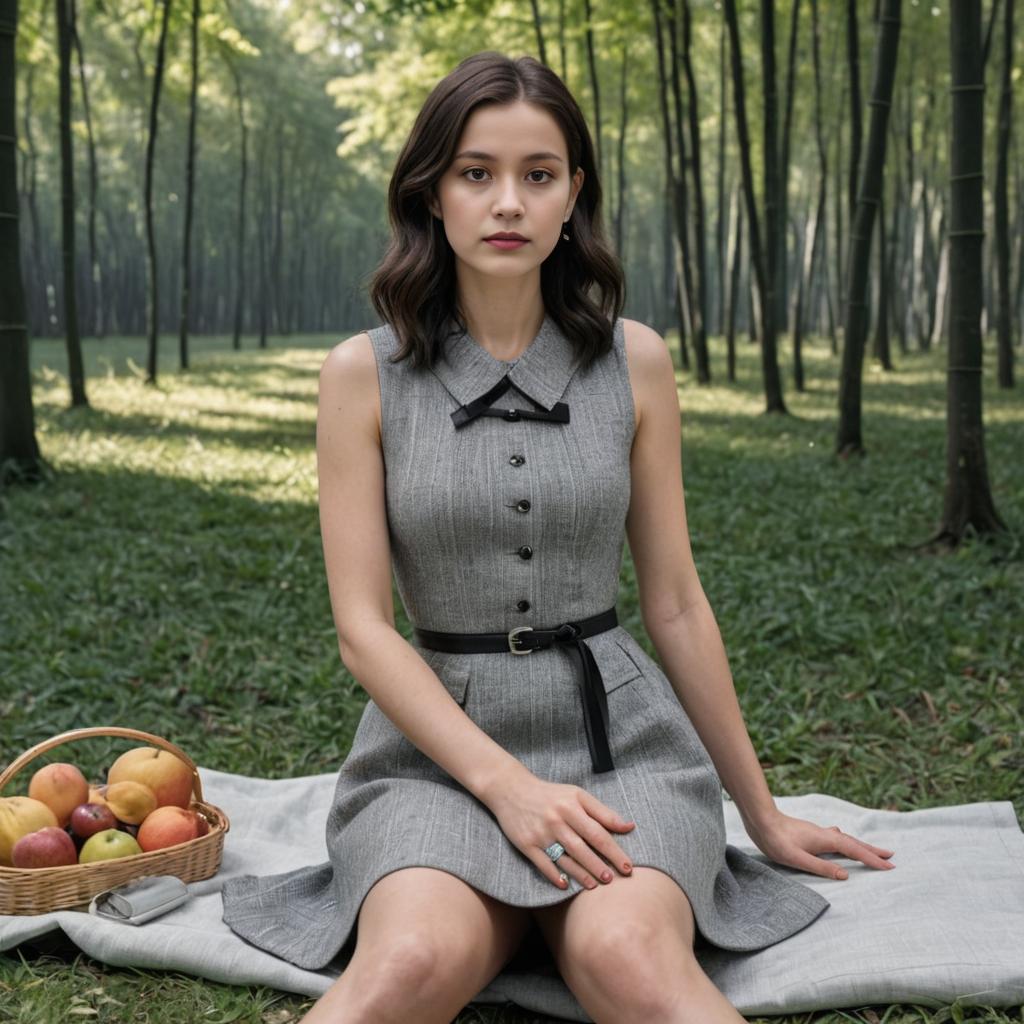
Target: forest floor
<point>169,576</point>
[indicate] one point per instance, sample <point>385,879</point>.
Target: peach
<point>20,815</point>
<point>97,794</point>
<point>62,787</point>
<point>130,801</point>
<point>168,826</point>
<point>165,774</point>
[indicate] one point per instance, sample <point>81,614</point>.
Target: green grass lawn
<point>169,577</point>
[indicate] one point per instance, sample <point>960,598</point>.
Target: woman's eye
<point>475,170</point>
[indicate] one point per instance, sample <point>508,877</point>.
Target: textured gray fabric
<point>456,528</point>
<point>944,926</point>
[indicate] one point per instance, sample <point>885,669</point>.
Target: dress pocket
<point>617,667</point>
<point>452,669</point>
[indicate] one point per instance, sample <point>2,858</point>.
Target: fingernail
<point>840,874</point>
<point>627,866</point>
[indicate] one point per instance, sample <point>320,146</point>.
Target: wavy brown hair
<point>413,288</point>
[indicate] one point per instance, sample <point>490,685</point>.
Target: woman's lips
<point>506,243</point>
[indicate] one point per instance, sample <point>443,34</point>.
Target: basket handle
<point>101,730</point>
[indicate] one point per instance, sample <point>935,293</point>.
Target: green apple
<point>107,845</point>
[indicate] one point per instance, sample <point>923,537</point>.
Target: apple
<point>88,819</point>
<point>168,826</point>
<point>49,847</point>
<point>165,774</point>
<point>61,786</point>
<point>107,845</point>
<point>20,815</point>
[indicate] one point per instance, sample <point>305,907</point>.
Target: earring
<point>565,236</point>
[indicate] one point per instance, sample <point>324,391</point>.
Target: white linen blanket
<point>947,924</point>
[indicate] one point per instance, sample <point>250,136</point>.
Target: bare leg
<point>426,943</point>
<point>625,949</point>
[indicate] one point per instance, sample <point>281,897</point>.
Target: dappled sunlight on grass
<point>170,577</point>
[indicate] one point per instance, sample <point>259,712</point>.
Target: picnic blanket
<point>946,925</point>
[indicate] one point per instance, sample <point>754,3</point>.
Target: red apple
<point>88,819</point>
<point>49,847</point>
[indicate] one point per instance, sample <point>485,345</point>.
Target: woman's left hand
<point>794,843</point>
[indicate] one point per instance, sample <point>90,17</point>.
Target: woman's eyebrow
<point>476,154</point>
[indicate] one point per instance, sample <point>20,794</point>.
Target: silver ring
<point>563,876</point>
<point>555,850</point>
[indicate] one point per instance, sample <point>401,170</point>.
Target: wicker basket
<point>39,890</point>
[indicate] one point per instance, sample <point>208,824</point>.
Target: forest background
<point>812,201</point>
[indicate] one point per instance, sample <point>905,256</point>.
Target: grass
<point>169,576</point>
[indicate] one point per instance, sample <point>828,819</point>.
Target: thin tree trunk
<point>849,438</point>
<point>620,206</point>
<point>856,126</point>
<point>968,498</point>
<point>720,228</point>
<point>734,284</point>
<point>781,263</point>
<point>76,371</point>
<point>700,336</point>
<point>880,349</point>
<point>236,337</point>
<point>153,293</point>
<point>95,274</point>
<point>539,29</point>
<point>769,355</point>
<point>19,451</point>
<point>1004,319</point>
<point>190,177</point>
<point>595,90</point>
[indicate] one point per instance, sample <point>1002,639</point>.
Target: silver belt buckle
<point>512,634</point>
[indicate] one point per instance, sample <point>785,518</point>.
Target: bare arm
<point>674,607</point>
<point>357,555</point>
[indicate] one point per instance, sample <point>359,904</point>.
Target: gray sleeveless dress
<point>501,522</point>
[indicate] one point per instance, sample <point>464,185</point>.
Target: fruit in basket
<point>49,847</point>
<point>97,794</point>
<point>107,845</point>
<point>168,826</point>
<point>61,786</point>
<point>130,801</point>
<point>20,815</point>
<point>88,819</point>
<point>163,772</point>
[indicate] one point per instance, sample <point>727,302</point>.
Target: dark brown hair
<point>413,288</point>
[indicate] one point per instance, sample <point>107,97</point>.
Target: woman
<point>494,440</point>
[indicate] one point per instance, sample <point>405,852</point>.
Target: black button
<point>512,414</point>
<point>523,606</point>
<point>517,460</point>
<point>526,551</point>
<point>524,505</point>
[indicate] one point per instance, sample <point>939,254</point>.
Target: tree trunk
<point>700,335</point>
<point>594,83</point>
<point>76,372</point>
<point>781,263</point>
<point>236,337</point>
<point>856,125</point>
<point>190,176</point>
<point>620,205</point>
<point>1004,319</point>
<point>677,238</point>
<point>538,28</point>
<point>881,344</point>
<point>968,498</point>
<point>734,284</point>
<point>19,452</point>
<point>153,294</point>
<point>887,48</point>
<point>769,354</point>
<point>96,298</point>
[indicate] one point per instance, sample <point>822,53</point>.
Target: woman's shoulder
<point>648,362</point>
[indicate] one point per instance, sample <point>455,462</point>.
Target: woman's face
<point>510,174</point>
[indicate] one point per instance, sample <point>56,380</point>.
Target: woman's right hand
<point>534,814</point>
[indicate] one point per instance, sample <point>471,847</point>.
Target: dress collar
<point>468,371</point>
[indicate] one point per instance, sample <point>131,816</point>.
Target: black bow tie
<point>482,407</point>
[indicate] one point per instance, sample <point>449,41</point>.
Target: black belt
<point>526,639</point>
